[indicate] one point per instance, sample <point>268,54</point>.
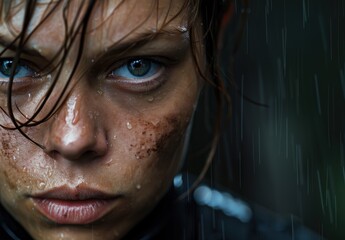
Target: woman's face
<point>115,143</point>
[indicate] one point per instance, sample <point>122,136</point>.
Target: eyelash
<point>137,74</point>
<point>149,80</point>
<point>21,67</point>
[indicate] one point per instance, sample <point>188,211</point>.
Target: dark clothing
<point>205,215</point>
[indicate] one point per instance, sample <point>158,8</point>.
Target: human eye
<point>22,70</point>
<point>23,75</point>
<point>138,74</point>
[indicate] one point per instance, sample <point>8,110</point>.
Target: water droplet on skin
<point>100,92</point>
<point>129,125</point>
<point>41,165</point>
<point>155,122</point>
<point>182,29</point>
<point>150,99</point>
<point>62,236</point>
<point>41,185</point>
<point>114,137</point>
<point>92,60</point>
<point>138,186</point>
<point>14,158</point>
<point>49,76</point>
<point>109,161</point>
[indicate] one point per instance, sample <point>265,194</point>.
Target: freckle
<point>144,132</point>
<point>129,125</point>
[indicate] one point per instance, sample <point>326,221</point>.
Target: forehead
<point>109,21</point>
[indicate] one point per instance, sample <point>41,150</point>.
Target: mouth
<point>74,206</point>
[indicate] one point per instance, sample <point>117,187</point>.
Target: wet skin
<point>114,133</point>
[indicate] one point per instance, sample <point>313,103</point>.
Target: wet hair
<point>211,14</point>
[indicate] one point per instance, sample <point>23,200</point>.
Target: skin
<point>109,134</point>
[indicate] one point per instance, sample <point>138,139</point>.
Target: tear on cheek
<point>158,137</point>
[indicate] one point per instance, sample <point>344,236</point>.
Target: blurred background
<point>283,148</point>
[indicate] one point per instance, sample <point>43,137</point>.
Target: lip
<point>78,206</point>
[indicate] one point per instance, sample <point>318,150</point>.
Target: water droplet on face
<point>14,158</point>
<point>41,185</point>
<point>92,60</point>
<point>182,29</point>
<point>129,125</point>
<point>155,122</point>
<point>100,92</point>
<point>109,161</point>
<point>138,187</point>
<point>150,99</point>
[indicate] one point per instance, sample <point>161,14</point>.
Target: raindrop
<point>129,125</point>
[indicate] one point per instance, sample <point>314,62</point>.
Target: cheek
<point>20,168</point>
<point>151,151</point>
<point>157,138</point>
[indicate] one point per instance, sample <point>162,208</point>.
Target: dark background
<point>287,155</point>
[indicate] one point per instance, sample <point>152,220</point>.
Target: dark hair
<point>210,12</point>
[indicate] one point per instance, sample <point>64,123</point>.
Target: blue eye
<point>140,68</point>
<point>22,70</point>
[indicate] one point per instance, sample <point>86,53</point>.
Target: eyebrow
<point>124,45</point>
<point>119,47</point>
<point>11,45</point>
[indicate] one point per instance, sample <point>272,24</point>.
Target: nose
<point>74,133</point>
